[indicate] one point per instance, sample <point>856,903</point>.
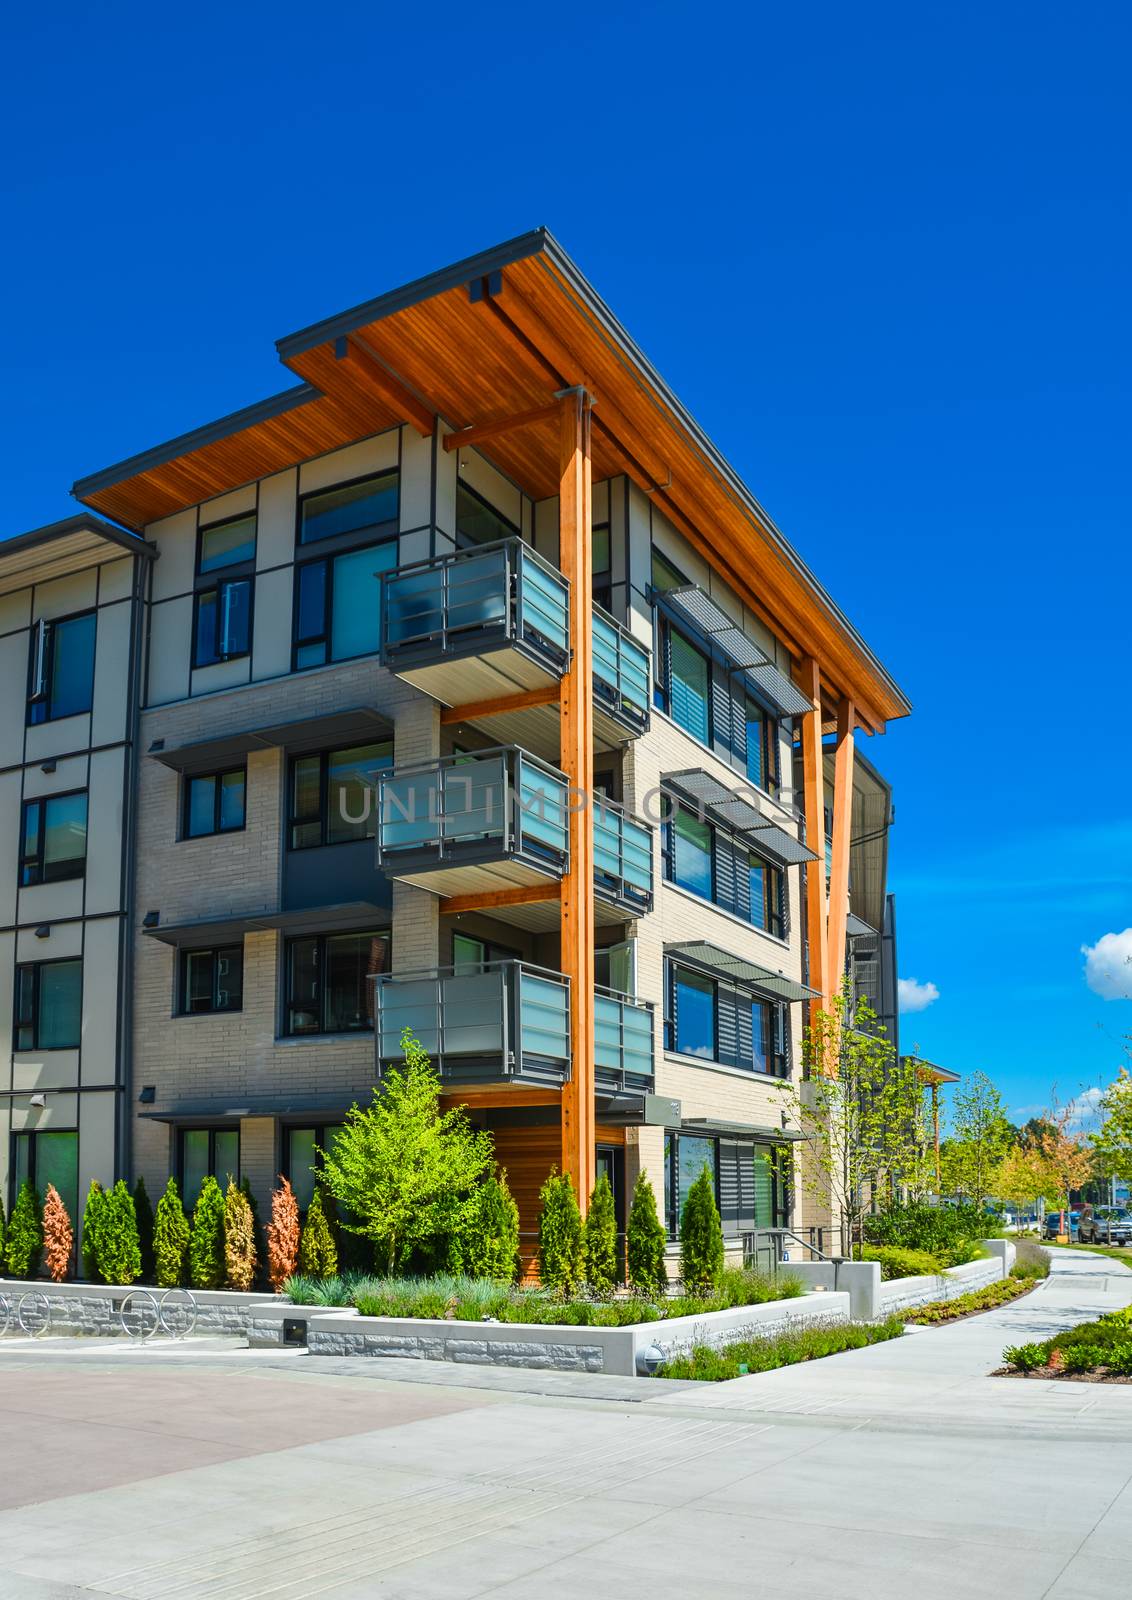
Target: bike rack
<point>182,1313</point>
<point>28,1302</point>
<point>132,1321</point>
<point>5,1314</point>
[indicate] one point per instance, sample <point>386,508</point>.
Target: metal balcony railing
<point>623,856</point>
<point>490,805</point>
<point>462,603</point>
<point>621,671</point>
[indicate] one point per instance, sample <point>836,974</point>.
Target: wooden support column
<point>577,762</point>
<point>813,786</point>
<point>842,836</point>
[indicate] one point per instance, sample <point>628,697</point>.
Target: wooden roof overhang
<point>63,547</point>
<point>492,337</point>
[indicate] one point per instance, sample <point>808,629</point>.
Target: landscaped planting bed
<point>969,1305</point>
<point>747,1356</point>
<point>1094,1352</point>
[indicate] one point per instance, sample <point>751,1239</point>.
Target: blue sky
<point>882,254</point>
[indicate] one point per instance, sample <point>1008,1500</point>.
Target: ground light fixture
<point>649,1360</point>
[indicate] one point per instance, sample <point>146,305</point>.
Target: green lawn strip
<point>1102,1348</point>
<point>709,1365</point>
<point>966,1305</point>
<point>1113,1253</point>
<point>443,1297</point>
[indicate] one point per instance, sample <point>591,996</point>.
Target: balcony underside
<point>487,877</point>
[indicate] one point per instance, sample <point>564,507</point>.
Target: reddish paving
<point>65,1433</point>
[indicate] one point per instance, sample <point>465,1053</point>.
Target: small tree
<point>646,1242</point>
<point>1024,1176</point>
<point>1112,1142</point>
<point>561,1240</point>
<point>58,1236</point>
<point>92,1219</point>
<point>206,1243</point>
<point>171,1234</point>
<point>601,1240</point>
<point>282,1236</point>
<point>25,1233</point>
<point>143,1211</point>
<point>980,1137</point>
<point>1067,1155</point>
<point>400,1168</point>
<point>240,1261</point>
<point>318,1254</point>
<point>489,1244</point>
<point>119,1250</point>
<point>701,1238</point>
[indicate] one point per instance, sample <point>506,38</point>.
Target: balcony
<point>509,1023</point>
<point>498,819</point>
<point>492,622</point>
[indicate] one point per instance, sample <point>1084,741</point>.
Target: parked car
<point>1053,1224</point>
<point>1105,1225</point>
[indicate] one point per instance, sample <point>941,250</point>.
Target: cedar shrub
<point>701,1238</point>
<point>119,1250</point>
<point>282,1236</point>
<point>240,1261</point>
<point>601,1240</point>
<point>206,1242</point>
<point>92,1219</point>
<point>647,1240</point>
<point>25,1234</point>
<point>318,1254</point>
<point>170,1238</point>
<point>561,1244</point>
<point>143,1211</point>
<point>58,1235</point>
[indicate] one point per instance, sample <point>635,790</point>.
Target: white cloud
<point>914,995</point>
<point>1108,965</point>
<point>1083,1109</point>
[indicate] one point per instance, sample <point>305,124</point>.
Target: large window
<point>692,1026</point>
<point>207,1153</point>
<point>61,675</point>
<point>46,1156</point>
<point>215,802</point>
<point>49,1005</point>
<point>331,795</point>
<point>301,1158</point>
<point>212,980</point>
<point>725,1024</point>
<point>684,690</point>
<point>53,838</point>
<point>329,981</point>
<point>338,605</point>
<point>715,864</point>
<point>688,848</point>
<point>349,508</point>
<point>477,522</point>
<point>750,1184</point>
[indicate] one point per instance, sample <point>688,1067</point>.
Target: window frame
<point>779,1055</point>
<point>230,580</point>
<point>323,939</point>
<point>38,862</point>
<point>780,1197</point>
<point>320,1130</point>
<point>663,682</point>
<point>36,1022</point>
<point>45,628</point>
<point>326,637</point>
<point>323,757</point>
<point>188,779</point>
<point>32,1136</point>
<point>212,1129</point>
<point>511,531</point>
<point>702,981</point>
<point>353,538</point>
<point>215,952</point>
<point>244,568</point>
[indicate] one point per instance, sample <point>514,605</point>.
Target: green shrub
<point>92,1218</point>
<point>1119,1359</point>
<point>3,1237</point>
<point>1026,1357</point>
<point>994,1294</point>
<point>318,1254</point>
<point>143,1211</point>
<point>601,1240</point>
<point>709,1365</point>
<point>488,1244</point>
<point>896,1262</point>
<point>561,1247</point>
<point>171,1234</point>
<point>931,1228</point>
<point>240,1261</point>
<point>259,1233</point>
<point>646,1241</point>
<point>959,1255</point>
<point>25,1233</point>
<point>119,1250</point>
<point>701,1238</point>
<point>206,1242</point>
<point>1079,1358</point>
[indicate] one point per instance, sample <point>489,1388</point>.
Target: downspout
<point>125,1128</point>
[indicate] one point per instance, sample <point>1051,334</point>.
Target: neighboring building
<point>70,652</point>
<point>480,553</point>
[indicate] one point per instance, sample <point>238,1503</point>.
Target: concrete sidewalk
<point>895,1472</point>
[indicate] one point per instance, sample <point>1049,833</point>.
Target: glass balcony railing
<point>494,805</point>
<point>474,600</point>
<point>621,672</point>
<point>622,856</point>
<point>623,1042</point>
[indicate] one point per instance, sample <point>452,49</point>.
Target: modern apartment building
<point>469,691</point>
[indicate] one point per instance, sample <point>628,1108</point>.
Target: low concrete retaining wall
<point>871,1300</point>
<point>92,1308</point>
<point>566,1349</point>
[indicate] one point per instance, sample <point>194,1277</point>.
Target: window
<point>338,605</point>
<point>762,747</point>
<point>691,1027</point>
<point>53,838</point>
<point>477,522</point>
<point>685,684</point>
<point>688,844</point>
<point>332,795</point>
<point>349,508</point>
<point>61,679</point>
<point>48,1156</point>
<point>222,630</point>
<point>208,1153</point>
<point>212,980</point>
<point>602,566</point>
<point>215,802</point>
<point>227,544</point>
<point>766,896</point>
<point>49,1005</point>
<point>301,1158</point>
<point>472,955</point>
<point>685,1157</point>
<point>329,987</point>
<point>750,1183</point>
<point>762,1035</point>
